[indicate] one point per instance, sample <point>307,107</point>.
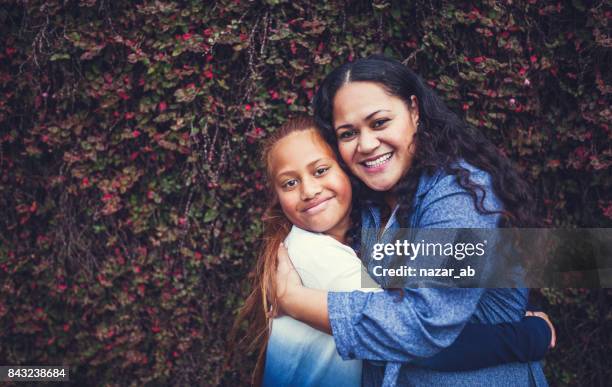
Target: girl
<point>421,167</point>
<point>310,191</point>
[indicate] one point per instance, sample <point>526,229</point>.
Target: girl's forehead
<point>297,150</point>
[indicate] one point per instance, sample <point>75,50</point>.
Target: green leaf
<point>59,56</point>
<point>210,215</point>
<point>380,6</point>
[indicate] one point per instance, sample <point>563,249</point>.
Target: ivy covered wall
<point>130,185</point>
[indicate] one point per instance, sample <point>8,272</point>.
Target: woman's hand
<point>288,281</point>
<point>544,316</point>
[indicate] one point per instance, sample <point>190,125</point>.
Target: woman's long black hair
<point>442,140</point>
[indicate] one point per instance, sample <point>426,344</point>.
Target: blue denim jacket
<point>390,333</point>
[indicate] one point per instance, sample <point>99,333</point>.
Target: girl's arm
<point>488,345</point>
<point>301,303</point>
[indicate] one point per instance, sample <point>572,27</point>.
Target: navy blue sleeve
<point>487,345</point>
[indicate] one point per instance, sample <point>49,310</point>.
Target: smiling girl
<point>311,209</point>
<point>315,195</point>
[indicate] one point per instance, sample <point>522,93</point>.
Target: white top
<point>324,263</point>
<point>298,355</point>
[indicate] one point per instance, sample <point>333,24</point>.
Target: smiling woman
<point>375,132</point>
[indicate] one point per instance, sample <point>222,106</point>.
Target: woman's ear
<point>414,103</point>
<point>414,109</point>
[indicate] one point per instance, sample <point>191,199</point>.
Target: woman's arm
<point>384,326</point>
<point>478,345</point>
<point>375,325</point>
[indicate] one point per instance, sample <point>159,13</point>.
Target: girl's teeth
<point>379,161</point>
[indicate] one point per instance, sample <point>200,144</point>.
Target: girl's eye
<point>379,123</point>
<point>289,183</point>
<point>347,134</point>
<point>321,171</point>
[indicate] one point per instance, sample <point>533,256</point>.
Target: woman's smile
<point>377,163</point>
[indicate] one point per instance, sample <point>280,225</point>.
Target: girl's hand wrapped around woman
<point>288,281</point>
<point>296,300</point>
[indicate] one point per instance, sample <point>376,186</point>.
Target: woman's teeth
<point>379,161</point>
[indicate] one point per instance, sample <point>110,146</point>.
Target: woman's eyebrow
<point>365,119</point>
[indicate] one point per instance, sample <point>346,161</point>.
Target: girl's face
<point>375,132</point>
<point>313,191</point>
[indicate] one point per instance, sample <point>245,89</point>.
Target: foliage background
<point>130,185</point>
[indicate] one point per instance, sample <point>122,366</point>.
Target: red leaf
<point>478,59</point>
<point>123,95</point>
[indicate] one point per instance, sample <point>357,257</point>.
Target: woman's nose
<point>368,141</point>
<point>310,188</point>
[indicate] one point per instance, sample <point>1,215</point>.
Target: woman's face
<point>375,132</point>
<point>313,191</point>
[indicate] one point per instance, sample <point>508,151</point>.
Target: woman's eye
<point>346,134</point>
<point>379,123</point>
<point>289,183</point>
<point>321,171</point>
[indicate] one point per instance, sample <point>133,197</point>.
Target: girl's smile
<point>318,206</point>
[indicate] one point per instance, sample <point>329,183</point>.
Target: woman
<point>421,167</point>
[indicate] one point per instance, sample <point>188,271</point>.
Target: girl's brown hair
<point>262,304</point>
